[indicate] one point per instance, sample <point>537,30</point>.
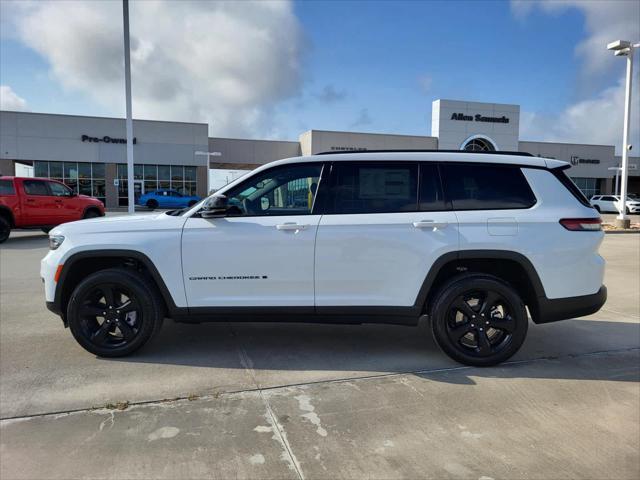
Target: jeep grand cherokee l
<point>471,241</point>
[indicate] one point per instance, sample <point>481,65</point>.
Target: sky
<point>275,69</point>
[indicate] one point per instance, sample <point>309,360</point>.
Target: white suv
<point>612,203</point>
<point>468,240</point>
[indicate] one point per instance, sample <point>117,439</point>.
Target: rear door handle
<point>291,226</point>
<point>430,224</point>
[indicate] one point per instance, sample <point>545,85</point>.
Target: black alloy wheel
<point>110,316</point>
<point>152,204</point>
<point>479,320</point>
<point>91,214</point>
<point>114,312</point>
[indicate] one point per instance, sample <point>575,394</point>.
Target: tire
<point>91,214</point>
<point>458,332</point>
<point>597,207</point>
<point>5,229</point>
<point>191,203</point>
<point>101,330</point>
<point>46,229</point>
<point>152,204</point>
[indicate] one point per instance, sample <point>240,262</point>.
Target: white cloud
<point>595,120</point>
<point>226,63</point>
<point>425,82</point>
<point>598,117</point>
<point>10,100</point>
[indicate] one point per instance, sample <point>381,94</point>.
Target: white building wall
<point>37,136</point>
<point>452,133</point>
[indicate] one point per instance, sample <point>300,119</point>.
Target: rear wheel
<point>114,312</point>
<point>479,320</point>
<point>152,204</point>
<point>5,229</point>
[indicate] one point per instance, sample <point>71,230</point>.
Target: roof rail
<point>497,152</point>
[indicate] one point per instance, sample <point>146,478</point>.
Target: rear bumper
<point>552,310</point>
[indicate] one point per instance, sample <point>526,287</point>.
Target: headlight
<point>55,241</point>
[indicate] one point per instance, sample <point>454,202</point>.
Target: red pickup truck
<point>41,203</point>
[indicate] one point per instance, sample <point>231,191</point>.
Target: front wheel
<point>479,320</point>
<point>114,312</point>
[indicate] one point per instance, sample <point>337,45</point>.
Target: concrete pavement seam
<point>260,390</point>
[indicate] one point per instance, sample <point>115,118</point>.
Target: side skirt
<point>331,315</point>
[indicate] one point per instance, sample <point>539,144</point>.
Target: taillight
<point>582,224</point>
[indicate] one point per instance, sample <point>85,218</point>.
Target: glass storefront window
<point>98,189</point>
<point>150,172</point>
<point>84,170</point>
<point>55,170</point>
<point>177,173</point>
<point>41,169</point>
<point>70,171</point>
<point>164,172</point>
<point>84,177</point>
<point>190,174</point>
<point>137,172</point>
<point>588,186</point>
<point>98,170</point>
<point>85,186</point>
<point>158,177</point>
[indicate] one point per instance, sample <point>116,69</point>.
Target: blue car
<point>167,199</point>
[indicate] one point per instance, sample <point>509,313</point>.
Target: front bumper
<point>552,310</point>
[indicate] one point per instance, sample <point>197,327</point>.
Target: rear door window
<point>486,187</point>
<point>7,188</point>
<point>35,187</point>
<point>374,187</point>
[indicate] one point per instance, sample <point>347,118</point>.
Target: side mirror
<point>215,207</point>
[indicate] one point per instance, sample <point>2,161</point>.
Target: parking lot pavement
<point>313,401</point>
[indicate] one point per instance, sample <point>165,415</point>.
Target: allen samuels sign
<point>478,118</point>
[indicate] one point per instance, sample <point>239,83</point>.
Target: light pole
<point>208,155</point>
<point>127,88</point>
<point>625,49</point>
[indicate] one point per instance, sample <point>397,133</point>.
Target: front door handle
<point>430,224</point>
<point>291,226</point>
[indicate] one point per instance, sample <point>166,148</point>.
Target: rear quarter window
<point>7,188</point>
<point>486,187</point>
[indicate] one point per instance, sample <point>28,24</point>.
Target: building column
<point>201,181</point>
<point>111,191</point>
<point>7,167</point>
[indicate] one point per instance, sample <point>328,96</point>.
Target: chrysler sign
<point>106,139</point>
<point>478,118</point>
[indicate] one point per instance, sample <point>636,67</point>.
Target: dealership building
<point>89,153</point>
